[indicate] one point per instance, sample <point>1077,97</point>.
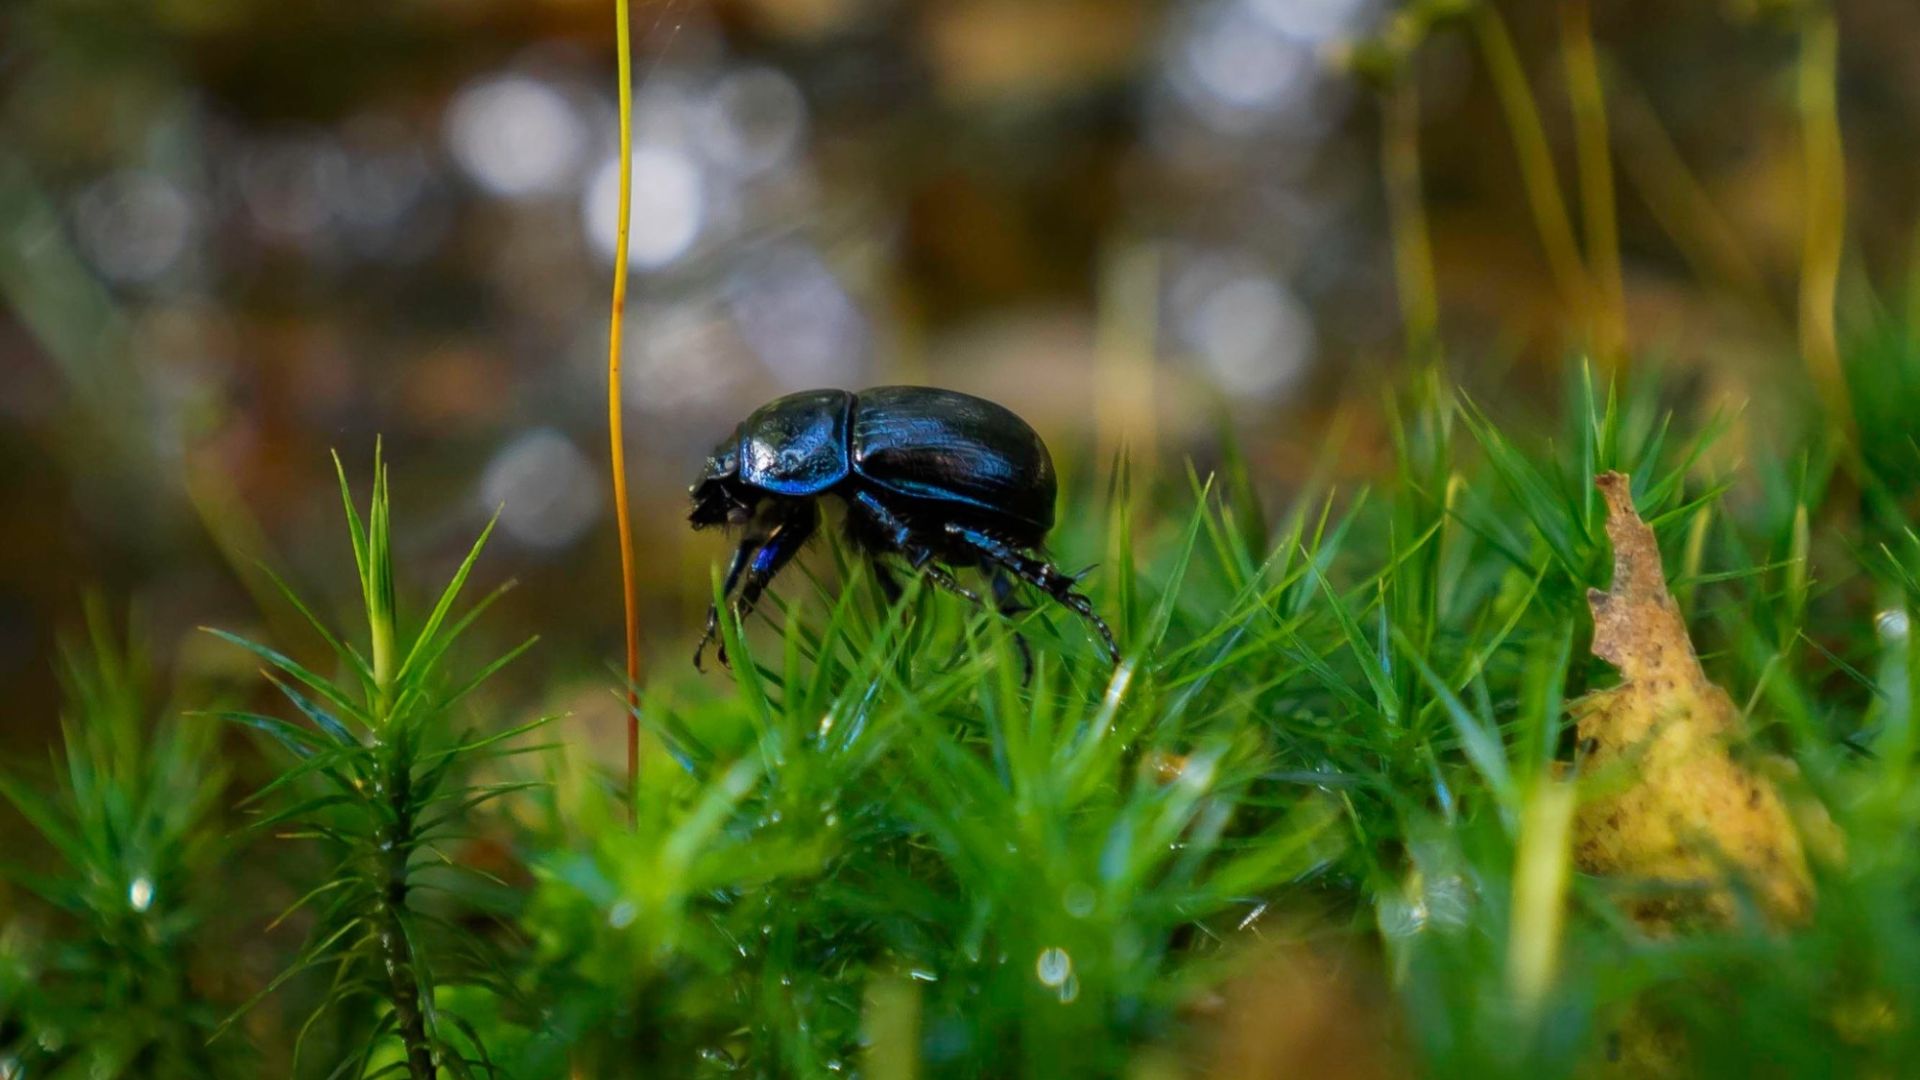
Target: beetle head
<point>718,498</point>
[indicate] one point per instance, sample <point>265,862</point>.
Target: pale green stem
<point>1826,209</point>
<point>1537,172</point>
<point>1407,216</point>
<point>1593,147</point>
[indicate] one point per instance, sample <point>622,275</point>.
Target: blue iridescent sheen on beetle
<point>940,479</point>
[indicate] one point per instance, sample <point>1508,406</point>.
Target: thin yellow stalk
<point>616,432</point>
<point>1593,150</point>
<point>1537,172</point>
<point>1407,218</point>
<point>1826,207</point>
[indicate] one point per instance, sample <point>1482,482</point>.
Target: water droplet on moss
<point>1054,967</point>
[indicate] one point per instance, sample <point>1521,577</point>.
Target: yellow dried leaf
<point>1306,1012</point>
<point>1669,803</point>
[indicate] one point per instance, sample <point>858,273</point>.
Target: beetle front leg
<point>783,543</point>
<point>1041,575</point>
<point>755,564</point>
<point>735,567</point>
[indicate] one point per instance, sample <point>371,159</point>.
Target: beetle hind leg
<point>1041,575</point>
<point>1011,608</point>
<point>888,582</point>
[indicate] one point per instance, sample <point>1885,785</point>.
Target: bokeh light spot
<point>796,316</point>
<point>134,226</point>
<point>1235,60</point>
<point>545,490</point>
<point>1313,21</point>
<point>514,135</point>
<point>1251,334</point>
<point>669,207</point>
<point>755,119</point>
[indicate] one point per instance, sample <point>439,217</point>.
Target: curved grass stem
<point>1826,209</point>
<point>1593,153</point>
<point>1537,172</point>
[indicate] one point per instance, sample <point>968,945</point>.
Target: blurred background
<point>235,235</point>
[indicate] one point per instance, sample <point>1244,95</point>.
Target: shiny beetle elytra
<point>938,478</point>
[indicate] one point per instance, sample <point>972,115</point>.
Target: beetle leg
<point>1010,607</point>
<point>735,567</point>
<point>1004,596</point>
<point>940,577</point>
<point>889,585</point>
<point>783,543</point>
<point>892,529</point>
<point>1041,575</point>
<point>770,555</point>
<point>900,537</point>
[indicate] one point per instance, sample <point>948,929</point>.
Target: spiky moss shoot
<point>381,780</point>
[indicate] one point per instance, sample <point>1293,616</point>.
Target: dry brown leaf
<point>1305,1012</point>
<point>1670,805</point>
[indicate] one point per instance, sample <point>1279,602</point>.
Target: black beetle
<point>932,476</point>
